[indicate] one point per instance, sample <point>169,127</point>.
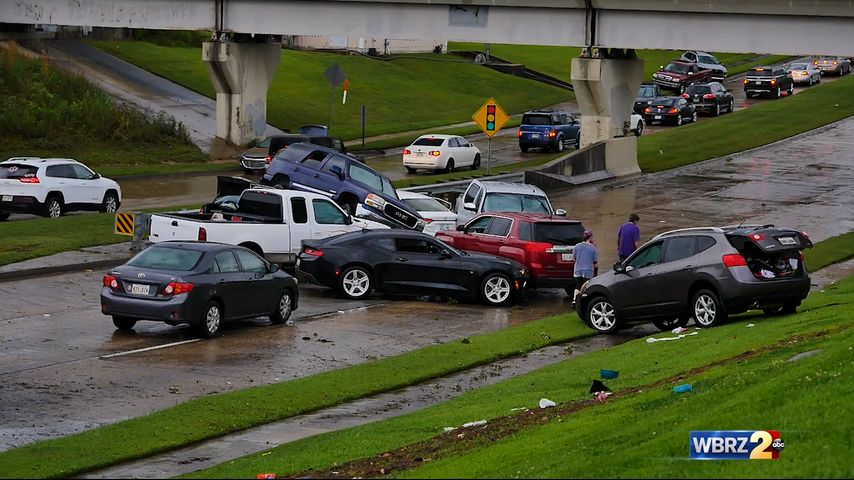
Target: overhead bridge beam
<point>795,27</point>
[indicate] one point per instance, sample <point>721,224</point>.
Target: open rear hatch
<point>771,252</point>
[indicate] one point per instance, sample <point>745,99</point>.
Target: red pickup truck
<point>678,74</point>
<point>541,242</point>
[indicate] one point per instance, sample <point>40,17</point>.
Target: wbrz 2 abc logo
<point>736,445</point>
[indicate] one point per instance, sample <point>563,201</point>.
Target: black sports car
<point>675,110</point>
<point>407,262</point>
<point>200,283</point>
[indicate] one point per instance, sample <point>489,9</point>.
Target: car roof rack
<point>690,229</point>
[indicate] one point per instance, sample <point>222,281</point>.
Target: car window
<point>425,205</point>
<point>698,89</point>
<point>260,203</point>
<point>556,119</point>
<point>337,161</point>
<point>564,118</point>
<point>384,243</point>
<point>705,59</point>
<point>365,176</point>
<point>558,233</point>
<point>463,142</point>
<point>82,173</point>
<point>690,56</point>
<point>60,171</point>
<point>680,248</point>
<point>429,142</point>
<point>251,262</point>
<point>647,256</point>
<point>454,142</point>
<point>416,245</point>
<point>511,202</point>
<point>314,159</point>
<point>538,119</point>
<point>166,258</point>
<point>705,243</point>
<point>479,225</point>
<point>226,262</point>
<point>388,188</point>
<point>798,66</point>
<point>326,213</point>
<point>18,171</point>
<point>647,91</point>
<point>500,226</point>
<point>471,194</point>
<point>264,143</point>
<point>676,67</point>
<point>298,210</point>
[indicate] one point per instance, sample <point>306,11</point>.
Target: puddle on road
<point>362,411</point>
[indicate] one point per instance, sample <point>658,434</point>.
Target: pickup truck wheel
<point>281,182</point>
<point>476,164</point>
<point>123,323</point>
<point>779,93</point>
<point>349,205</point>
<point>355,283</point>
<point>283,308</point>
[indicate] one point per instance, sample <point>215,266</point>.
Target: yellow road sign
<point>124,224</point>
<point>490,118</point>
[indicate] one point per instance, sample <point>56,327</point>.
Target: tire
<point>694,117</point>
<point>810,83</point>
<point>558,146</point>
<point>52,207</point>
<point>679,120</point>
<point>283,308</point>
<point>779,93</point>
<point>523,148</point>
<point>123,323</point>
<point>748,94</point>
<point>669,323</point>
<point>791,89</point>
<point>731,106</point>
<point>4,216</point>
<point>110,203</point>
<point>706,309</point>
<point>211,320</point>
<point>355,283</point>
<point>717,109</point>
<point>578,142</point>
<point>785,309</point>
<point>476,164</point>
<point>449,167</point>
<point>349,205</point>
<point>410,170</point>
<point>496,289</point>
<point>281,182</point>
<point>638,131</point>
<point>601,316</point>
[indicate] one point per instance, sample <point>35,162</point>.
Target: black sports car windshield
<point>167,258</point>
<point>647,92</point>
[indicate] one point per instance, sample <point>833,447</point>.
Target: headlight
<point>374,200</point>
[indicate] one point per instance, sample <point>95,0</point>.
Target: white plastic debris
<point>450,429</point>
<point>679,330</point>
<point>474,424</point>
<point>766,273</point>
<point>751,325</point>
<point>546,403</point>
<point>665,339</point>
<point>518,408</point>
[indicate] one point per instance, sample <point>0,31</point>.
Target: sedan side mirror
<point>461,228</point>
<point>336,170</point>
<point>273,268</point>
<point>619,268</point>
<point>445,254</point>
<point>470,206</point>
<point>560,212</point>
<point>96,176</point>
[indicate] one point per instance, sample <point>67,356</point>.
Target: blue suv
<point>548,130</point>
<point>312,168</point>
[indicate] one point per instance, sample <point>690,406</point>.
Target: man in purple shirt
<point>628,237</point>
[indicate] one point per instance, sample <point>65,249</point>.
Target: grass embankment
<point>214,415</point>
<point>47,113</point>
<point>740,377</point>
<point>409,93</point>
<point>827,252</point>
<point>746,129</point>
<point>555,61</point>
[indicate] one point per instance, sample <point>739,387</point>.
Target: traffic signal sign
<point>490,117</point>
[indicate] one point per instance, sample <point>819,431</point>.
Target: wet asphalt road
<point>53,380</point>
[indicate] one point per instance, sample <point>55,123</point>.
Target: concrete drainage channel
<point>358,412</point>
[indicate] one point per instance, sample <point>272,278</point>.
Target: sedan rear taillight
<point>111,282</point>
<point>520,133</point>
<point>407,151</point>
<point>552,133</point>
<point>734,260</point>
<point>176,288</point>
<point>685,95</point>
<point>435,153</point>
<point>314,252</point>
<point>28,180</point>
<point>537,247</point>
<point>673,110</point>
<point>709,96</point>
<point>757,237</point>
<point>647,110</point>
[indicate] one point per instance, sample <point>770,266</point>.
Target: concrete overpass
<point>605,80</point>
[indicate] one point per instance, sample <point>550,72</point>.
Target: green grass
<point>827,252</point>
<point>646,434</point>
<point>44,112</point>
<point>214,415</point>
<point>760,125</point>
<point>555,61</point>
<point>414,92</point>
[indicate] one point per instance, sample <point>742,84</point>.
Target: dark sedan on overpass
<point>203,284</point>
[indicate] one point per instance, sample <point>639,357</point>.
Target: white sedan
<point>436,212</point>
<point>637,124</point>
<point>440,152</point>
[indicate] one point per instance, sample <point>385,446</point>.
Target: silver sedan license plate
<point>138,289</point>
<point>566,257</point>
<point>788,241</point>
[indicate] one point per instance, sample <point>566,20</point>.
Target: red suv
<point>541,242</point>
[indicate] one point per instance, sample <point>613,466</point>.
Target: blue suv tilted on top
<point>349,182</point>
<point>549,130</point>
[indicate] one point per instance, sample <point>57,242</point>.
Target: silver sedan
<point>805,72</point>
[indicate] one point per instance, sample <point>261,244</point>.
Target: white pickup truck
<point>273,223</point>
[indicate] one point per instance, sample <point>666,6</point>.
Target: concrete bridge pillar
<point>241,74</point>
<point>606,89</point>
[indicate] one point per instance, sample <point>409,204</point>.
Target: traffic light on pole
<point>490,118</point>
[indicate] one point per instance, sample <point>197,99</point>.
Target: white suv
<point>53,186</point>
<point>707,61</point>
<point>491,196</point>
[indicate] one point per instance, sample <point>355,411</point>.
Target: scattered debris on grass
<point>546,403</point>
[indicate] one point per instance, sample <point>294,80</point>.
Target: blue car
<point>349,182</point>
<point>549,131</point>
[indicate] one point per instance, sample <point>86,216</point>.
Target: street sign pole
<point>488,154</point>
<point>364,112</point>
